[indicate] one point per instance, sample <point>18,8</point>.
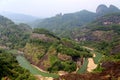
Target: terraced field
<point>25,64</point>
<point>97,57</point>
<point>83,69</point>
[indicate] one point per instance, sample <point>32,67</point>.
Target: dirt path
<point>39,68</point>
<point>38,77</point>
<point>91,65</point>
<point>92,49</point>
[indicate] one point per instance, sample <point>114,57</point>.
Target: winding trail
<point>39,77</point>
<point>39,69</point>
<point>91,64</point>
<point>90,67</point>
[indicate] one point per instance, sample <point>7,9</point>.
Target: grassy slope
<point>83,68</point>
<point>25,64</point>
<point>97,58</point>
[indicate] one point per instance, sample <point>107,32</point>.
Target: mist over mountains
<point>19,18</point>
<point>65,43</point>
<point>60,24</point>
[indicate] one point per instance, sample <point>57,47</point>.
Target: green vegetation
<point>57,65</point>
<point>12,35</point>
<point>10,68</point>
<point>83,69</point>
<point>44,31</point>
<point>97,58</point>
<point>98,69</point>
<point>62,25</point>
<point>113,58</point>
<point>25,64</point>
<point>60,54</point>
<point>42,47</point>
<point>73,52</point>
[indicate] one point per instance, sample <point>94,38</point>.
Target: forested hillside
<point>53,54</point>
<point>10,69</point>
<point>82,45</point>
<point>12,35</point>
<point>18,18</point>
<point>103,35</point>
<point>63,24</point>
<point>105,30</point>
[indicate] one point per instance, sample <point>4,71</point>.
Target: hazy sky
<point>47,8</point>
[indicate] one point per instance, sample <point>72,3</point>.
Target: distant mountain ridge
<point>103,9</point>
<point>12,34</point>
<point>19,18</point>
<point>61,24</point>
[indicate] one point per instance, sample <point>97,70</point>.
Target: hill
<point>105,29</point>
<point>52,53</point>
<point>103,35</point>
<point>19,18</point>
<point>60,24</point>
<point>92,37</point>
<point>103,9</point>
<point>63,24</point>
<point>13,35</point>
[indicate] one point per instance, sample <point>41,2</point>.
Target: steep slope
<point>13,35</point>
<point>53,54</point>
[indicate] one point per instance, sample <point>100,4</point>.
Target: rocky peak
<point>113,8</point>
<point>101,8</point>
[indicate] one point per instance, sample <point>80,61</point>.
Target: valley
<point>76,46</point>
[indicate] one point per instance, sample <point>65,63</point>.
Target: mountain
<point>52,53</point>
<point>103,36</point>
<point>13,35</point>
<point>64,22</point>
<point>62,25</point>
<point>90,38</point>
<point>19,18</point>
<point>104,31</point>
<point>103,9</point>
